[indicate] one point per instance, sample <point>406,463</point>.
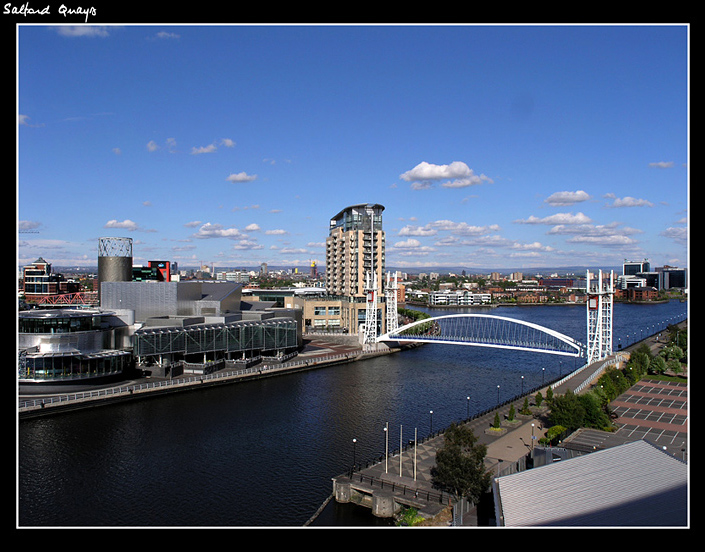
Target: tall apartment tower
<point>354,248</point>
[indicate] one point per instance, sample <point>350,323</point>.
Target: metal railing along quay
<point>222,376</point>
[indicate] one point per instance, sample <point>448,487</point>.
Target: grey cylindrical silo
<point>114,260</point>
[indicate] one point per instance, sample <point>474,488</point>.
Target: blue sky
<point>489,146</point>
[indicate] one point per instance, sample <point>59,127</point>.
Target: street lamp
<point>498,395</point>
<point>354,443</point>
<point>386,447</point>
<point>431,413</point>
<point>468,414</point>
<point>401,451</point>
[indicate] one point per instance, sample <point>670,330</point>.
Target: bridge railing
<point>489,331</point>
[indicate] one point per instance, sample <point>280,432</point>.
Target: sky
<point>490,147</point>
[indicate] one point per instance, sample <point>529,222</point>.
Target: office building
<point>39,282</point>
<point>632,268</point>
<point>672,277</point>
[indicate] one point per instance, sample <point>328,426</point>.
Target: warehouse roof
<point>631,485</point>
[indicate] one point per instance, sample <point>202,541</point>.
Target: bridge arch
<point>486,330</point>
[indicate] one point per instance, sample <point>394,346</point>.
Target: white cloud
<point>417,231</point>
<point>558,218</point>
<point>628,201</point>
<point>28,224</point>
<point>463,228</point>
<point>613,240</point>
<point>662,164</point>
<point>209,230</point>
<point>126,224</point>
<point>81,30</point>
<point>276,232</point>
<point>429,171</point>
<point>595,230</point>
<point>534,246</point>
<point>247,244</point>
<point>241,177</point>
<point>252,227</point>
<point>457,228</point>
<point>227,142</point>
<point>411,242</point>
<point>457,174</point>
<point>562,199</point>
<point>203,149</point>
<point>167,35</point>
<point>680,235</point>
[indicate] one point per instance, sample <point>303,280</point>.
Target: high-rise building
<point>354,249</point>
<point>631,268</point>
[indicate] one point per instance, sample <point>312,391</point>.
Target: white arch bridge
<point>486,330</point>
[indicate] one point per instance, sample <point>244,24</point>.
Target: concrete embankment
<point>319,352</point>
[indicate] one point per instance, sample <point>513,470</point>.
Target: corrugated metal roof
<point>634,484</point>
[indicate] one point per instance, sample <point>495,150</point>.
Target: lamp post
<point>416,440</point>
<point>400,449</point>
<point>468,414</point>
<point>386,447</point>
<point>498,395</point>
<point>431,414</point>
<point>354,444</point>
<point>522,385</point>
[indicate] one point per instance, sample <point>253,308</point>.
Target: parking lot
<point>656,411</point>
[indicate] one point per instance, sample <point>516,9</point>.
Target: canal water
<point>262,453</point>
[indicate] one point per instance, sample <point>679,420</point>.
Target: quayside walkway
<point>404,479</point>
<point>318,352</point>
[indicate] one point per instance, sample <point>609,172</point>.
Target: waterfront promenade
<point>319,351</point>
<point>405,479</point>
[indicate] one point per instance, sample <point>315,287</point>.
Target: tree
<point>460,464</point>
<point>567,411</point>
<point>674,366</point>
<point>525,407</point>
<point>549,394</point>
<point>595,415</point>
<point>657,365</point>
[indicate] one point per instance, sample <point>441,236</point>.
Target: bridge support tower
<point>390,293</point>
<point>370,335</point>
<point>600,293</point>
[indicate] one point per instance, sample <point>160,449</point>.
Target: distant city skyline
<point>490,147</point>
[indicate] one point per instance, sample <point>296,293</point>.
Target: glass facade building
<point>70,344</point>
<point>217,341</point>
